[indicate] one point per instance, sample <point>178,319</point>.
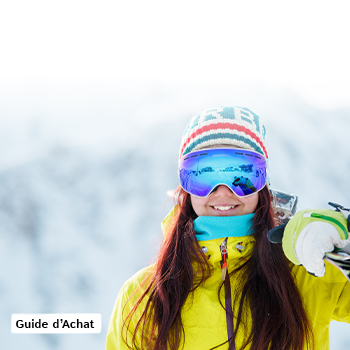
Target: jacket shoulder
<point>321,293</point>
<point>138,279</point>
<point>128,295</point>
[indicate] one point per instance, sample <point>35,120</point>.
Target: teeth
<point>224,208</point>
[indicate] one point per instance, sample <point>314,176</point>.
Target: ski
<point>341,262</point>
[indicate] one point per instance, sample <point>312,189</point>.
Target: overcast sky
<point>299,44</point>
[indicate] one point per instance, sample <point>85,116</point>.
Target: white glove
<point>313,242</point>
<point>312,233</point>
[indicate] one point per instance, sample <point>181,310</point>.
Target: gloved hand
<point>312,233</point>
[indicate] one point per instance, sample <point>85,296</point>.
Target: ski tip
<point>276,234</point>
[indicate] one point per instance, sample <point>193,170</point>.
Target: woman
<point>218,282</point>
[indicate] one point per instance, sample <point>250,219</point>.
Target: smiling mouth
<point>224,208</point>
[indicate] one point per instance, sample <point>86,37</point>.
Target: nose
<point>223,190</point>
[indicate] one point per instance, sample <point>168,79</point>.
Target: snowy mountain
<point>81,200</point>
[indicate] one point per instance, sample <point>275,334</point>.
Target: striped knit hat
<point>234,126</point>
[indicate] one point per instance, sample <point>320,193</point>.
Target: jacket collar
<point>238,248</point>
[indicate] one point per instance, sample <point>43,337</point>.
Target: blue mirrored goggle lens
<point>244,172</point>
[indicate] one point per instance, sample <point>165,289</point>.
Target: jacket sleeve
<point>342,310</point>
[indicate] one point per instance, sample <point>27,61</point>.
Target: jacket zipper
<point>335,221</point>
<point>223,250</point>
<point>228,300</point>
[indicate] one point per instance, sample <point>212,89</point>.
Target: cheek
<point>198,205</point>
<point>252,202</point>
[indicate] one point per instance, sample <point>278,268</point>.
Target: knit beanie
<point>234,126</point>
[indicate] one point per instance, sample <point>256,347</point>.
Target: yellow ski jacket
<point>325,298</point>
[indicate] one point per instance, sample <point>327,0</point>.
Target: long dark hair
<point>279,321</point>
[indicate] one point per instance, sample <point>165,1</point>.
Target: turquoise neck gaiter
<point>212,227</point>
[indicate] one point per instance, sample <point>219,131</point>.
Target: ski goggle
<point>242,171</point>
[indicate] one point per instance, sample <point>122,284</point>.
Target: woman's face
<point>223,202</point>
